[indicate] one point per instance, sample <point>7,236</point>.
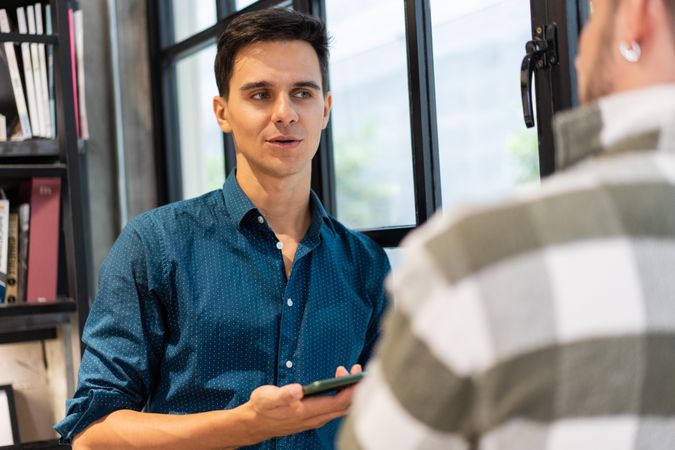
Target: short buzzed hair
<point>271,24</point>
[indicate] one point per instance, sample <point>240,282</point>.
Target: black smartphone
<point>331,384</point>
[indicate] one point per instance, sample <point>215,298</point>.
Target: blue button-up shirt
<point>194,311</point>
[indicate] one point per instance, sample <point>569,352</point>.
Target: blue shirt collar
<point>239,206</point>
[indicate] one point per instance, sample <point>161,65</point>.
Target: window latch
<point>541,53</point>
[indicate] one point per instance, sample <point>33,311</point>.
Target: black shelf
<point>40,445</point>
<point>29,335</point>
<point>28,322</point>
<point>22,309</point>
<point>31,147</point>
<point>19,38</point>
<point>18,171</point>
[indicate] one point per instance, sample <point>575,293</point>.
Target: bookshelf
<point>62,157</point>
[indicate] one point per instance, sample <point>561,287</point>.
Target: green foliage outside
<point>523,155</point>
<point>362,201</point>
<point>215,172</point>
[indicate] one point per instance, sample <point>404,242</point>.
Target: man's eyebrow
<point>255,85</point>
<point>308,84</point>
<point>267,85</point>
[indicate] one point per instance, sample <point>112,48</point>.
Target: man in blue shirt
<point>211,312</point>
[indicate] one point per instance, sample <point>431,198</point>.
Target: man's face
<point>276,107</point>
<point>595,62</point>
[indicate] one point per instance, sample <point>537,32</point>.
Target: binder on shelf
<point>12,292</point>
<point>18,126</point>
<point>4,241</point>
<point>24,230</point>
<point>43,241</point>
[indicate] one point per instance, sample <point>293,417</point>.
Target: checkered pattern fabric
<point>545,321</point>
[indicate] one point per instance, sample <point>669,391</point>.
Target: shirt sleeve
<point>123,334</point>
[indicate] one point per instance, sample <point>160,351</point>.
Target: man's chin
<point>285,170</point>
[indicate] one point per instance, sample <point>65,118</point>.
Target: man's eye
<point>260,96</point>
<point>303,94</point>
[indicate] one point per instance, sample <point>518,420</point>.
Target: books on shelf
<point>14,104</point>
<point>38,59</point>
<point>24,228</point>
<point>29,241</point>
<point>29,106</point>
<point>12,291</point>
<point>49,50</point>
<point>28,73</point>
<point>3,128</point>
<point>4,241</point>
<point>78,30</point>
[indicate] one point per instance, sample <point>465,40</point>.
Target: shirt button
<point>280,245</point>
<point>289,302</point>
<point>289,364</point>
<point>260,219</point>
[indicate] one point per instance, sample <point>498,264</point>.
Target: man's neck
<point>284,201</point>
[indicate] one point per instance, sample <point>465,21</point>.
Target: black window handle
<point>540,53</point>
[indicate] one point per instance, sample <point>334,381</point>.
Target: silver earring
<point>632,54</point>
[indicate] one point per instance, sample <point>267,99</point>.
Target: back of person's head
<point>272,24</point>
<point>625,45</point>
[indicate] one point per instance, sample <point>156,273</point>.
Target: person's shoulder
<point>197,211</point>
<point>356,240</point>
<point>471,236</point>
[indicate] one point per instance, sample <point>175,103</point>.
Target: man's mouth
<point>284,141</point>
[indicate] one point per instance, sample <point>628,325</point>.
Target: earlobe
<point>221,112</point>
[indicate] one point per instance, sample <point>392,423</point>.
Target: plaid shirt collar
<point>631,121</point>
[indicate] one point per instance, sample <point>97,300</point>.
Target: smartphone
<point>331,384</point>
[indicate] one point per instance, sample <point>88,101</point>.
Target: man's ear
<point>221,112</point>
<point>327,105</point>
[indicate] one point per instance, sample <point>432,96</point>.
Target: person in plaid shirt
<point>547,320</point>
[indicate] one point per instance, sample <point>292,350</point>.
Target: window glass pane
<point>201,141</point>
<point>241,4</point>
<point>395,255</point>
<point>370,119</point>
<point>485,148</point>
<point>191,16</point>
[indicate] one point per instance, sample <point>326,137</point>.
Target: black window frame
<point>555,89</point>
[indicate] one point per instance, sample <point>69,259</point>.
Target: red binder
<point>43,241</point>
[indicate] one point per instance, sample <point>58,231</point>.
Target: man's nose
<point>284,111</point>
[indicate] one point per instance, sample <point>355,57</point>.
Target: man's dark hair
<point>272,24</point>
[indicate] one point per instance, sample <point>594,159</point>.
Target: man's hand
<point>280,411</point>
<point>270,412</point>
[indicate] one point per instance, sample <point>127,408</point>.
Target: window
<point>241,4</point>
<point>187,18</point>
<point>427,106</point>
<point>476,90</point>
<point>201,142</point>
<point>371,117</point>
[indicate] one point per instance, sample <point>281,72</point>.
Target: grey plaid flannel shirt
<point>545,321</point>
